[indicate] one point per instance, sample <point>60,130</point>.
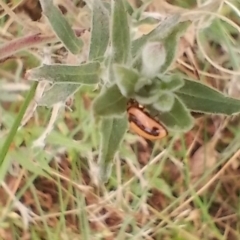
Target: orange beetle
<point>144,125</point>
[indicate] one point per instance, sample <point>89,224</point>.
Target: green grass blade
<point>3,163</point>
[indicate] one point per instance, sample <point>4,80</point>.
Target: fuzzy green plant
<point>125,68</point>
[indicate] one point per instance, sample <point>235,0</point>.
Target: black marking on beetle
<point>153,131</point>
